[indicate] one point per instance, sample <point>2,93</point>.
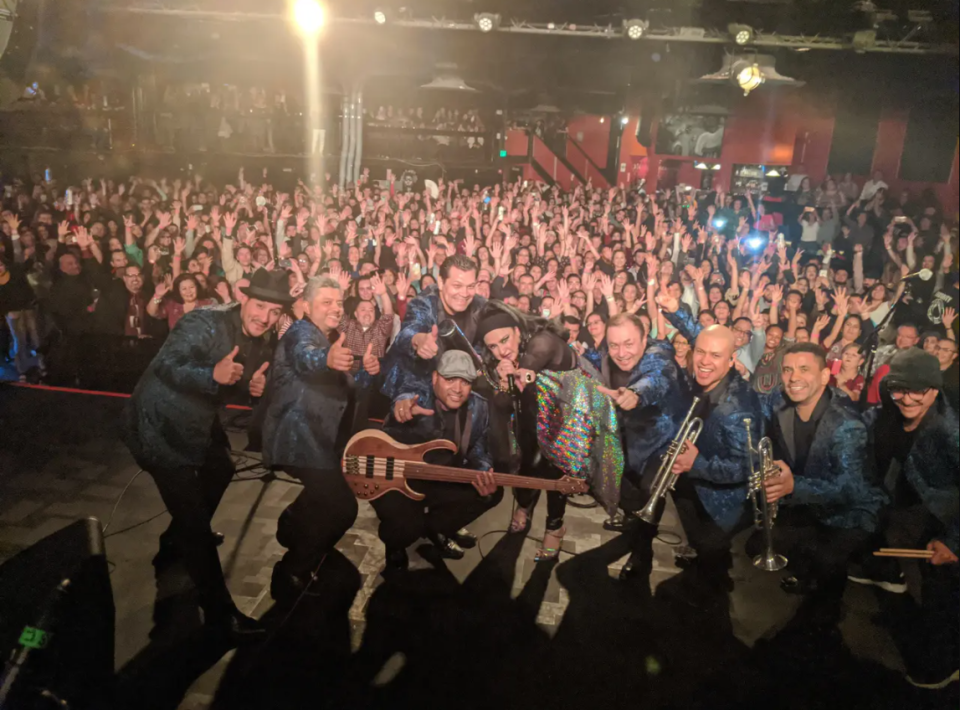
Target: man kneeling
<point>453,413</point>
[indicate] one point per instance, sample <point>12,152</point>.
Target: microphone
<point>923,275</point>
<point>454,339</point>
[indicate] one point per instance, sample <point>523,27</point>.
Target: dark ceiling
<point>589,74</point>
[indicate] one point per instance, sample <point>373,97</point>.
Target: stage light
<point>635,29</point>
<point>380,17</point>
<point>748,77</point>
<point>308,16</point>
<point>487,21</point>
<point>742,34</point>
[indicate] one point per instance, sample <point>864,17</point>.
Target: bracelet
<point>652,282</point>
<point>158,301</point>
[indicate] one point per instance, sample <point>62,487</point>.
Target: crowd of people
<point>555,334</point>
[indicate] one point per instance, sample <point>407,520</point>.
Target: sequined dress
<point>576,425</point>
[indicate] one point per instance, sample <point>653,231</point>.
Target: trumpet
<point>665,479</point>
<point>764,512</point>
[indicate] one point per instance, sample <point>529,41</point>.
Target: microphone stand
<point>873,343</point>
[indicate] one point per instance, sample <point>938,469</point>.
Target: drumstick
<point>905,554</point>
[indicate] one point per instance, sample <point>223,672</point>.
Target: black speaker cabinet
<point>57,623</point>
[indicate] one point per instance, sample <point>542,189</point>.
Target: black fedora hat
<point>269,286</point>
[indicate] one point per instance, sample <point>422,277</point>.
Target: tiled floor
<point>60,460</point>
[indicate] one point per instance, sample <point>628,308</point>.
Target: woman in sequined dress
<point>563,427</point>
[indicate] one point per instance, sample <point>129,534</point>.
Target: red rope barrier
<point>98,393</point>
<point>121,395</point>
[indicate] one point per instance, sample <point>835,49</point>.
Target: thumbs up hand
<point>258,382</point>
<point>339,358</point>
<point>425,344</point>
<point>371,363</point>
<point>227,372</point>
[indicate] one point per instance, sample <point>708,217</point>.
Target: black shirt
<point>893,445</point>
<point>618,378</point>
<point>709,401</point>
<point>804,432</point>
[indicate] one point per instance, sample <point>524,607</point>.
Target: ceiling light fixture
<point>380,17</point>
<point>742,34</point>
<point>748,77</point>
<point>487,21</point>
<point>635,29</point>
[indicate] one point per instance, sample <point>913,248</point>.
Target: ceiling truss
<point>609,32</point>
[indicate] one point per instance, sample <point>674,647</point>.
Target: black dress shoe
<point>466,539</point>
<point>798,585</point>
<point>635,568</point>
<point>449,550</point>
<point>396,561</point>
<point>621,522</point>
<point>235,628</point>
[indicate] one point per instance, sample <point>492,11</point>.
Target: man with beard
<point>453,413</point>
<point>172,429</point>
<point>916,441</point>
<point>306,423</point>
<point>828,508</point>
<point>711,491</point>
<point>641,376</point>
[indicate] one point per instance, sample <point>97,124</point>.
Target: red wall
<point>778,129</point>
<point>549,162</point>
<point>517,143</point>
<point>592,135</point>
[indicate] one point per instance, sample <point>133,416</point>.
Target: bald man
<point>711,491</point>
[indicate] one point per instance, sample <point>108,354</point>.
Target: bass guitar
<point>374,464</point>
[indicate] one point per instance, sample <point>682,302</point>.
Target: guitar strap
<point>462,430</point>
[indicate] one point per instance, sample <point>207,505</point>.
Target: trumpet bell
<point>770,563</point>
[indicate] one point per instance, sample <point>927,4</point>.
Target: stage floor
<point>486,632</point>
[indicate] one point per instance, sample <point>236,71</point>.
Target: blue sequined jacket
<point>306,402</point>
<point>720,472</point>
<point>428,428</point>
<point>664,402</point>
<point>932,465</point>
<point>171,419</point>
<point>837,482</point>
<point>405,373</point>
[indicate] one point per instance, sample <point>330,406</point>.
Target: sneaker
<point>932,683</point>
<point>886,577</point>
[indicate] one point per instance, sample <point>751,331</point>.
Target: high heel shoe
<point>552,544</point>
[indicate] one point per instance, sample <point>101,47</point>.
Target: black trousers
<point>927,634</point>
<point>814,552</point>
<point>446,508</point>
<point>310,526</point>
<point>711,542</point>
<point>556,502</point>
<point>192,496</point>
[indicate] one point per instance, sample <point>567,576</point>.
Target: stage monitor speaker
<point>57,623</point>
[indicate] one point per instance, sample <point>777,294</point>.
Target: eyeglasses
<point>747,333</point>
<point>898,393</point>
